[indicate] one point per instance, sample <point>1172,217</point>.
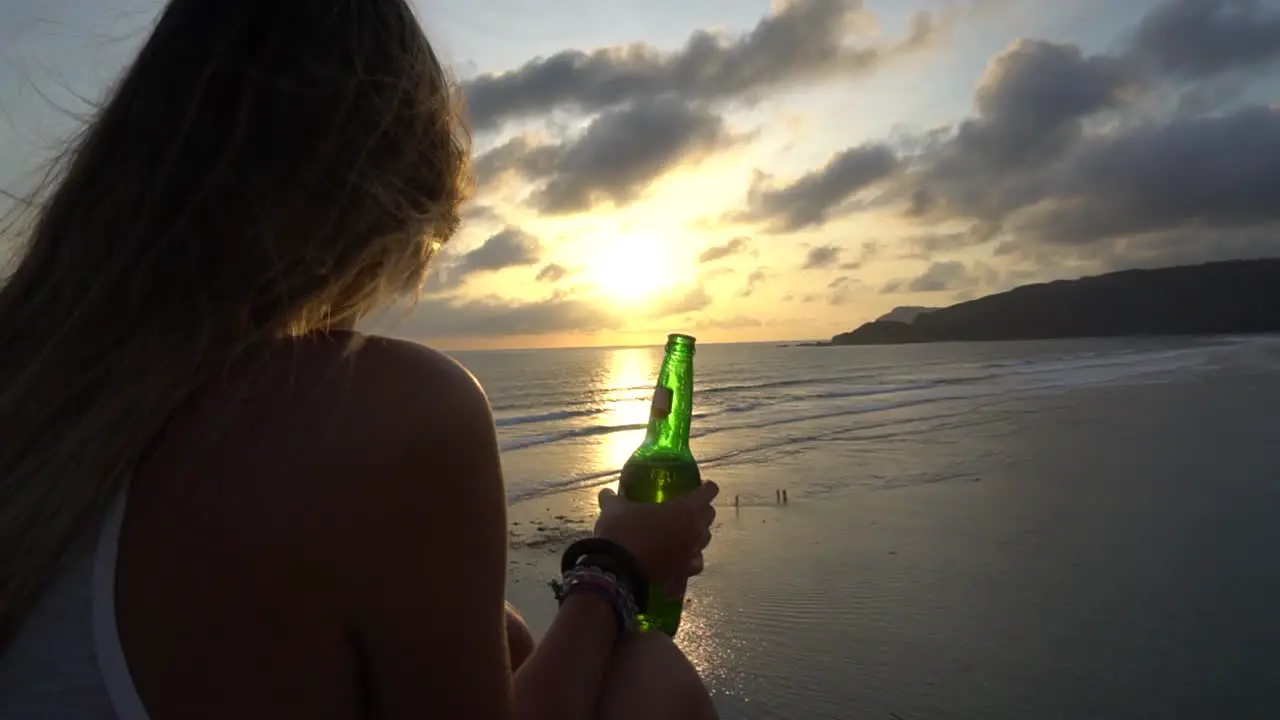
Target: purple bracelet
<point>585,578</point>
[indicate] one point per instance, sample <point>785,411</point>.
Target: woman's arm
<point>425,559</point>
<point>565,674</point>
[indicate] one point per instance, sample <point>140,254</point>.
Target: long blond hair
<point>264,168</point>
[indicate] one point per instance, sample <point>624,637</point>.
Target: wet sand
<point>1102,553</point>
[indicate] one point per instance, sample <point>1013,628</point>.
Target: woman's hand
<point>667,538</point>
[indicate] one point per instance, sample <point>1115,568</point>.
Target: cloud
<point>925,246</point>
<point>455,317</point>
<point>842,291</point>
<point>552,272</point>
<point>822,256</point>
<point>451,317</point>
<point>815,197</point>
<point>512,247</point>
<point>1194,39</point>
<point>754,281</point>
<point>1068,159</point>
<point>1032,101</point>
<point>801,42</point>
<point>947,275</point>
<point>520,155</point>
<point>1218,171</point>
<point>828,256</point>
<point>615,159</point>
<point>870,249</point>
<point>476,213</point>
<point>735,246</point>
<point>736,322</point>
<point>692,301</point>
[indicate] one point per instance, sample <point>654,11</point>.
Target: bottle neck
<point>671,412</point>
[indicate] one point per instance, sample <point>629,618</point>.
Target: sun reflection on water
<point>630,373</point>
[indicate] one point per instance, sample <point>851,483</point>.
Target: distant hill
<point>1234,297</point>
<point>904,314</point>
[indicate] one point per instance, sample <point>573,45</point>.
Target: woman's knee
<point>650,676</point>
<point>520,641</point>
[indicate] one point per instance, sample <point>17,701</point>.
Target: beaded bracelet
<point>585,578</point>
<point>611,557</point>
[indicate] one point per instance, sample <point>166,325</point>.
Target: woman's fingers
<point>606,498</point>
<point>704,493</point>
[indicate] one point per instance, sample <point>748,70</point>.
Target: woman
<point>216,501</point>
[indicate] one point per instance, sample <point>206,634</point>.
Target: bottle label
<point>661,406</point>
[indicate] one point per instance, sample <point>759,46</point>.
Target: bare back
<point>243,537</point>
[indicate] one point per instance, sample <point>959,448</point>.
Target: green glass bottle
<point>663,466</point>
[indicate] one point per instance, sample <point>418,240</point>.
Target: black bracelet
<point>601,582</point>
<point>624,564</point>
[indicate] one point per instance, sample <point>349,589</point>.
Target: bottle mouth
<point>680,344</point>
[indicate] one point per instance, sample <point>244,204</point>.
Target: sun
<point>629,270</point>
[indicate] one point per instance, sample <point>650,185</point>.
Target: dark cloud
<point>816,197</point>
<point>946,275</point>
<point>820,257</point>
<point>828,256</point>
<point>512,247</point>
<point>552,272</point>
<point>926,246</point>
<point>1059,164</point>
<point>1193,39</point>
<point>1032,102</point>
<point>615,159</point>
<point>735,246</point>
<point>804,41</point>
<point>1218,171</point>
<point>520,156</point>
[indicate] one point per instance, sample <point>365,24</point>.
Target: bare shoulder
<point>348,397</point>
<point>345,421</point>
<point>335,448</point>
<point>323,491</point>
<point>374,381</point>
<point>408,458</point>
<point>395,408</point>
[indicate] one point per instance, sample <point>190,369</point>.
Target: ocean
<point>1055,529</point>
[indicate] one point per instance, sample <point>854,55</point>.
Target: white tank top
<point>66,661</point>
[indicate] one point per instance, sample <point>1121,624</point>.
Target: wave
<point>582,432</point>
<point>592,431</point>
<point>1070,374</point>
<point>971,391</point>
<point>551,416</point>
<point>775,447</point>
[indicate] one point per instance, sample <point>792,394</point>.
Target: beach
<point>1050,530</point>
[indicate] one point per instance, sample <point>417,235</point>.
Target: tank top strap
<point>106,637</point>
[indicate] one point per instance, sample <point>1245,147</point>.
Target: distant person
<point>216,500</point>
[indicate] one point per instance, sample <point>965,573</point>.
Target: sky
<point>747,170</point>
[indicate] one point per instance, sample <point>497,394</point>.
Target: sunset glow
<point>786,170</point>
